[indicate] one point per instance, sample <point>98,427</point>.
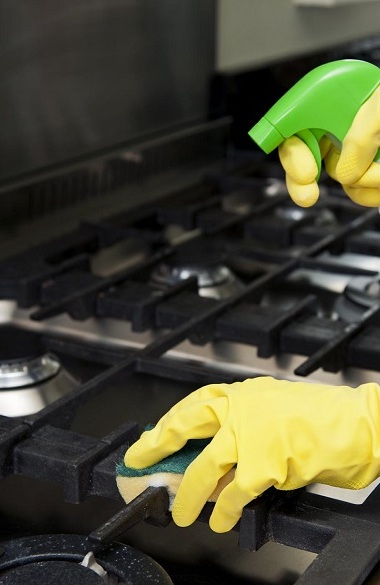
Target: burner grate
<point>58,278</point>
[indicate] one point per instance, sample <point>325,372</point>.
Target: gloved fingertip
<point>138,457</point>
<point>305,202</point>
<point>131,459</point>
<point>303,195</point>
<point>297,160</point>
<point>181,515</point>
<point>364,197</point>
<point>220,523</point>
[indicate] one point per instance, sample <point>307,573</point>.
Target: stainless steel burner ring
<point>27,373</point>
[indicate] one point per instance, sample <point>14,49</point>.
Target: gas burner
<point>322,217</point>
<point>30,377</point>
<point>216,282</point>
<point>364,290</point>
<point>62,559</point>
<point>26,373</point>
<point>198,259</point>
<point>294,213</point>
<point>360,295</point>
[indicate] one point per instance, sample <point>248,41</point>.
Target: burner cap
<point>33,372</point>
<point>19,345</point>
<point>23,359</point>
<point>201,260</point>
<point>360,294</point>
<point>57,572</point>
<point>217,282</point>
<point>59,558</point>
<point>30,377</point>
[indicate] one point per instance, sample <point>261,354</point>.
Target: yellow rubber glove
<point>301,170</point>
<point>353,167</point>
<point>277,433</point>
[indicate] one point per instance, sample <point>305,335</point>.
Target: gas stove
<point>109,322</point>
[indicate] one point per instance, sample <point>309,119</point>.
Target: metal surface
<point>77,78</point>
<point>253,33</point>
<point>348,548</point>
<point>23,401</point>
<point>215,282</point>
<point>35,371</point>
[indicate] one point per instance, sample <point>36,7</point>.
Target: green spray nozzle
<point>324,101</point>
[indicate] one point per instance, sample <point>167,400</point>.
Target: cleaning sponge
<point>168,473</point>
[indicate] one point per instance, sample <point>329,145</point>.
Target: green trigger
<point>309,137</point>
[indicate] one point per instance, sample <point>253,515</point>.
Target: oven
<point>115,308</point>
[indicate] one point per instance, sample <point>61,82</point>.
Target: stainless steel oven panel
<point>81,76</point>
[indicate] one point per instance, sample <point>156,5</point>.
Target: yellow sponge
<point>168,473</point>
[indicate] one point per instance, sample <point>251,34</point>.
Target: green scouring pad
<point>168,473</point>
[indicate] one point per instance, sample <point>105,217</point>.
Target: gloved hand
<point>277,433</point>
<point>353,167</point>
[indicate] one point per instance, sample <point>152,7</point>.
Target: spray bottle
<point>324,101</point>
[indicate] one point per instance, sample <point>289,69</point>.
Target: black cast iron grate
<point>43,446</point>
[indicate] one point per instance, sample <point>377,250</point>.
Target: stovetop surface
<point>140,309</point>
